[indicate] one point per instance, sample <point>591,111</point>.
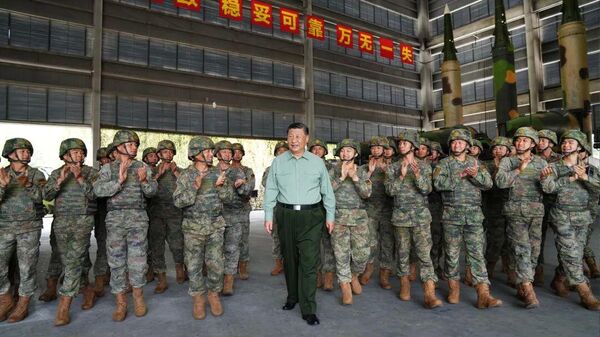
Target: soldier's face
<point>347,153</point>
<point>206,155</point>
<point>297,140</point>
<point>423,151</point>
<point>151,158</point>
<point>20,154</point>
<point>281,150</point>
<point>238,155</point>
<point>104,160</point>
<point>377,151</point>
<point>388,153</point>
<point>225,155</point>
<point>130,148</point>
<point>474,151</point>
<point>404,147</point>
<point>318,151</point>
<point>569,145</point>
<point>458,146</point>
<point>499,151</point>
<point>166,155</point>
<point>434,155</point>
<point>522,144</point>
<point>75,155</point>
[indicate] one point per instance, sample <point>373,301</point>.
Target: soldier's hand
<point>580,172</point>
<point>4,178</point>
<point>546,172</point>
<point>239,183</point>
<point>372,164</point>
<point>330,226</point>
<point>23,179</point>
<point>198,180</point>
<point>524,162</point>
<point>76,170</point>
<point>220,179</point>
<point>344,171</point>
<point>63,175</point>
<point>352,172</point>
<point>142,174</point>
<point>416,169</point>
<point>269,226</point>
<point>403,169</point>
<point>123,171</point>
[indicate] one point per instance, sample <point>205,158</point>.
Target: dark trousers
<point>300,235</point>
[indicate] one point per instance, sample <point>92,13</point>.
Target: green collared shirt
<point>298,181</point>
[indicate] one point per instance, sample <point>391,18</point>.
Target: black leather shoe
<point>311,319</point>
<point>289,306</point>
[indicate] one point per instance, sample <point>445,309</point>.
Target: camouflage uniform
<point>495,221</point>
<point>524,209</point>
<point>21,212</point>
<point>411,218</point>
<point>126,221</point>
<point>101,263</point>
<point>276,250</point>
<point>549,199</point>
<point>165,218</point>
<point>462,218</point>
<point>350,238</point>
<point>436,208</point>
<point>203,223</point>
<point>245,216</point>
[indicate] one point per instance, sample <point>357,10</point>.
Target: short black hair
<point>298,125</point>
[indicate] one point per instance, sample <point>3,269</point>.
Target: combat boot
<point>431,300</point>
<point>161,284</point>
<point>89,298</point>
<point>528,294</point>
<point>199,311</point>
<point>355,285</point>
<point>454,291</point>
<point>243,270</point>
<point>384,278</point>
<point>319,280</point>
<point>139,306</point>
<point>468,280</point>
<point>484,299</point>
<point>559,285</point>
<point>588,299</point>
<point>99,284</point>
<point>121,307</point>
<point>7,302</point>
<point>346,293</point>
<point>50,292</point>
<point>593,267</point>
<point>366,275</point>
<point>278,268</point>
<point>62,312</point>
<point>538,277</point>
<point>21,311</point>
<point>491,265</point>
<point>328,281</point>
<point>216,309</point>
<point>413,271</point>
<point>227,285</point>
<point>179,273</point>
<point>404,293</point>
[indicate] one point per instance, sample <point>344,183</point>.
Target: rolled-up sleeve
<point>271,192</point>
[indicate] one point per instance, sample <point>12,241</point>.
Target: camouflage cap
<point>110,148</point>
<point>411,137</point>
<point>147,151</point>
<point>199,144</point>
<point>548,134</point>
<point>527,131</point>
<point>580,137</point>
<point>317,142</point>
<point>393,144</point>
<point>125,136</point>
<point>460,134</point>
<point>166,145</point>
<point>71,144</point>
<point>347,143</point>
<point>502,141</point>
<point>14,144</point>
<point>238,146</point>
<point>477,143</point>
<point>435,146</point>
<point>223,145</point>
<point>101,153</point>
<point>379,141</point>
<point>279,145</point>
<point>425,141</point>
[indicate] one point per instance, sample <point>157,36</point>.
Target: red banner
<point>315,27</point>
<point>231,9</point>
<point>193,5</point>
<point>289,21</point>
<point>386,48</point>
<point>262,14</point>
<point>365,42</point>
<point>344,36</point>
<point>407,53</point>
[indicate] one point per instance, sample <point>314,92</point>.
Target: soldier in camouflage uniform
<point>389,154</point>
<point>460,179</point>
<point>234,212</point>
<point>21,212</point>
<point>409,182</point>
<point>544,149</point>
<point>150,157</point>
<point>280,148</point>
<point>570,218</point>
<point>424,149</point>
<point>436,208</point>
<point>101,269</point>
<point>326,265</point>
<point>524,209</point>
<point>589,257</point>
<point>200,193</point>
<point>350,239</point>
<point>165,218</point>
<point>379,209</point>
<point>126,183</point>
<point>244,212</point>
<point>70,186</point>
<point>476,150</point>
<point>493,201</point>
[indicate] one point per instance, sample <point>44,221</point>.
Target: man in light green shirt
<point>298,194</point>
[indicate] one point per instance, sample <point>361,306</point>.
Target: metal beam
<point>97,76</point>
<point>309,86</point>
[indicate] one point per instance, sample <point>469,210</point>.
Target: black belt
<point>299,207</point>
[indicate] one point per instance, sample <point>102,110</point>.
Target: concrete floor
<point>255,309</point>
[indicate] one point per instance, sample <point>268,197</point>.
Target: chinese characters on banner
<point>262,14</point>
<point>365,42</point>
<point>386,48</point>
<point>315,27</point>
<point>231,9</point>
<point>289,21</point>
<point>407,53</point>
<point>344,36</point>
<point>193,5</point>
